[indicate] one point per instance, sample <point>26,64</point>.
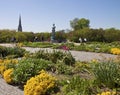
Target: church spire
<point>20,25</point>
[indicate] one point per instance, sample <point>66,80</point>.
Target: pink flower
<point>65,48</point>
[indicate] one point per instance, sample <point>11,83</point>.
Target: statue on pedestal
<point>53,33</point>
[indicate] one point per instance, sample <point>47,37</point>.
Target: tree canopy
<point>77,23</point>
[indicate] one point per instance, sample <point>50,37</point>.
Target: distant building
<point>20,25</point>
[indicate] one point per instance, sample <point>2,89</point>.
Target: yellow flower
<point>7,75</point>
<point>108,93</point>
<point>115,51</point>
<point>39,84</point>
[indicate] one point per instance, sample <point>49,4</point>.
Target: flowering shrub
<point>6,64</point>
<point>28,68</point>
<point>115,51</point>
<point>108,93</point>
<point>8,75</point>
<point>39,84</point>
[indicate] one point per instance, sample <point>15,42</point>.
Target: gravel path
<point>6,89</point>
<point>79,55</point>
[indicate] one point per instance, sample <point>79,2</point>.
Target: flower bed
<point>40,74</point>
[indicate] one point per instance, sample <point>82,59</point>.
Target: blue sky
<point>39,15</point>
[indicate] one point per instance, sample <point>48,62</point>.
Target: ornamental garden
<point>57,72</point>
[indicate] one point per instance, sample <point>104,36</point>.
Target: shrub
<point>61,68</point>
<point>13,52</point>
<point>81,67</point>
<point>8,76</point>
<point>16,51</point>
<point>107,73</point>
<point>3,51</point>
<point>40,84</point>
<point>42,54</point>
<point>7,64</point>
<point>77,86</point>
<point>55,55</point>
<point>68,59</point>
<point>28,68</point>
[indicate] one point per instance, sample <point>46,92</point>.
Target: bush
<point>3,51</point>
<point>40,84</point>
<point>68,59</point>
<point>77,86</point>
<point>55,56</point>
<point>11,52</point>
<point>16,51</point>
<point>7,64</point>
<point>42,54</point>
<point>107,73</point>
<point>61,68</point>
<point>28,68</point>
<point>8,76</point>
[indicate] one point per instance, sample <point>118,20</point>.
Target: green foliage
<point>43,36</point>
<point>29,36</point>
<point>61,68</point>
<point>3,51</point>
<point>77,86</point>
<point>16,52</point>
<point>100,35</point>
<point>81,67</point>
<point>68,59</point>
<point>97,47</point>
<point>60,36</point>
<point>11,52</point>
<point>28,68</point>
<point>112,35</point>
<point>6,35</point>
<point>42,54</point>
<point>38,44</point>
<point>107,73</point>
<point>55,56</point>
<point>77,24</point>
<point>95,35</point>
<point>20,37</point>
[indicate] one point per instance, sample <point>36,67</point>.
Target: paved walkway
<point>6,89</point>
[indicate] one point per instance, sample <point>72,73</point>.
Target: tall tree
<point>77,24</point>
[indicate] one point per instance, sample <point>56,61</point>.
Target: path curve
<point>79,55</point>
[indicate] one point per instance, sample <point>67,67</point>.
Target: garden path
<point>6,89</point>
<point>79,55</point>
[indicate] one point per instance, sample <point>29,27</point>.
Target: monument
<point>20,25</point>
<point>53,33</point>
